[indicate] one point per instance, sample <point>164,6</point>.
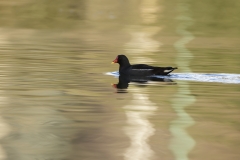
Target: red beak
<point>115,60</point>
<point>114,85</point>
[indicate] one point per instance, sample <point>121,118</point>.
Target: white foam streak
<point>198,77</point>
<point>206,77</point>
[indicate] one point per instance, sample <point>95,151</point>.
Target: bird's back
<point>143,69</point>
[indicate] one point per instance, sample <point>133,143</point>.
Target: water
<point>201,77</point>
<point>57,103</point>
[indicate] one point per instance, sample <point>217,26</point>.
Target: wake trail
<point>199,77</point>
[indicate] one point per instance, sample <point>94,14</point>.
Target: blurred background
<point>57,103</point>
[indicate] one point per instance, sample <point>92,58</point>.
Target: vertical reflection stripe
<point>139,129</point>
<point>182,143</point>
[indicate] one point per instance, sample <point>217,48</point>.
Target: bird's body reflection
<point>124,80</point>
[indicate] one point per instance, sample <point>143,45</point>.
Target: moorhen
<point>126,68</point>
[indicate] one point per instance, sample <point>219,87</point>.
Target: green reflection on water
<point>182,143</point>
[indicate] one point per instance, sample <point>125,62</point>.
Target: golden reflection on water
<point>148,11</point>
<point>139,129</point>
<point>141,45</point>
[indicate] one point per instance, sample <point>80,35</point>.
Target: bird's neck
<point>124,68</point>
<point>125,64</point>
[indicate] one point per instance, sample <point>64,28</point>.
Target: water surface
<point>57,103</point>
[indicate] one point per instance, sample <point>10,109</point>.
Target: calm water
<point>56,97</point>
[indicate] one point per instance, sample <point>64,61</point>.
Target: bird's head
<point>121,60</point>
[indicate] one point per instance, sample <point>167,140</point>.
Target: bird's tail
<point>163,70</point>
